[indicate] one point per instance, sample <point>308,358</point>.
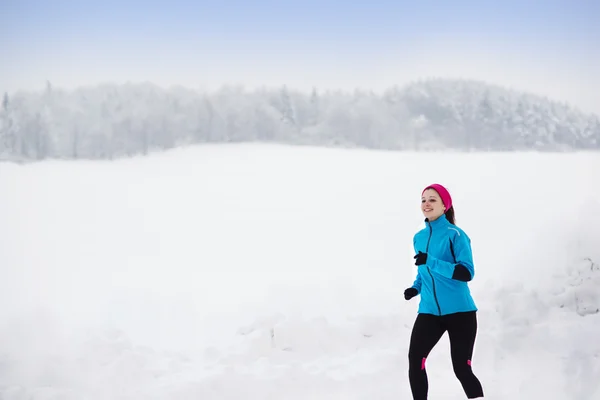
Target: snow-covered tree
<point>110,121</point>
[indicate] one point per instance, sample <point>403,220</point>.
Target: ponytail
<point>450,215</point>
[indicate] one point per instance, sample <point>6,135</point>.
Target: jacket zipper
<point>428,270</point>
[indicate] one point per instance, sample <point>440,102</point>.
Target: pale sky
<point>546,47</point>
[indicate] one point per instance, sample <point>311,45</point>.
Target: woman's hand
<point>420,258</point>
<point>410,293</point>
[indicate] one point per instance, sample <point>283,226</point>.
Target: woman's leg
<point>427,331</point>
<point>462,330</point>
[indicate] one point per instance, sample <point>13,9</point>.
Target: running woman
<point>445,266</point>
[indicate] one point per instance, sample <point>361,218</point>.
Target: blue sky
<point>548,47</point>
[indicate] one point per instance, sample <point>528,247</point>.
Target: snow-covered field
<point>273,272</point>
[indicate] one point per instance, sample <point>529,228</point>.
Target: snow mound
<point>582,292</point>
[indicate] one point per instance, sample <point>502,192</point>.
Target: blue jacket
<point>442,280</point>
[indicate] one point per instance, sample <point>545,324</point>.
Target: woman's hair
<point>450,215</point>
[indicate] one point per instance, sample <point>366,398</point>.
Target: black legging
<point>427,331</point>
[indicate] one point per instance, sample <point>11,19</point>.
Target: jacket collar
<point>442,220</point>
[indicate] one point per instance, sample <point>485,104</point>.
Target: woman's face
<point>432,205</point>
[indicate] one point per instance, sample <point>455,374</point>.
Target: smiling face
<point>432,205</point>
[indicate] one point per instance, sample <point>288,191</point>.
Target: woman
<point>445,265</point>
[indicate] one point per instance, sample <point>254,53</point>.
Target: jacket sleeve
<point>417,283</point>
<point>463,269</point>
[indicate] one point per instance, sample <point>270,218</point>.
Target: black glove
<point>421,258</point>
<point>410,293</point>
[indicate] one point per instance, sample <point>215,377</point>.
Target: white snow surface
<point>252,271</point>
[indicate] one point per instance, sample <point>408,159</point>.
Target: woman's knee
<point>416,362</point>
<point>463,370</point>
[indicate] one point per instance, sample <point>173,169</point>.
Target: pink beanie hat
<point>443,192</point>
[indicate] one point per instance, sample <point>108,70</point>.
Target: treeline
<point>112,121</point>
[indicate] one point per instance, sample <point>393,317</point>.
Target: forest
<point>119,120</point>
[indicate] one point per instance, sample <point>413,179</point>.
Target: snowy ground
<point>272,272</point>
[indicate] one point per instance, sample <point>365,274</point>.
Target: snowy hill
<point>478,116</point>
<point>274,272</point>
<point>112,121</point>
